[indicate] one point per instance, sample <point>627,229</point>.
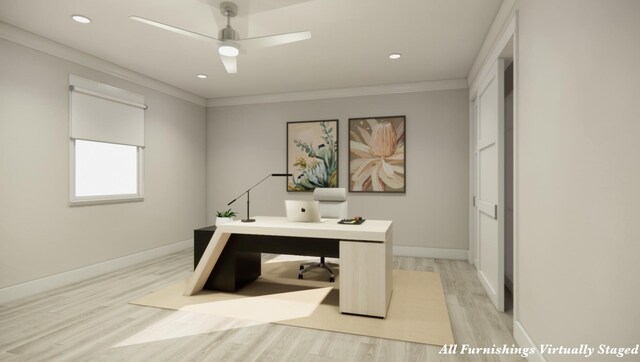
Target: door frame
<point>508,37</point>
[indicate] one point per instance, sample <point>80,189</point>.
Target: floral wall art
<point>312,155</point>
<point>377,154</point>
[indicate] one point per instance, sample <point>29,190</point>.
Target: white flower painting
<point>377,154</point>
<point>312,154</point>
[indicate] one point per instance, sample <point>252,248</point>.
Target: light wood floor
<point>86,322</point>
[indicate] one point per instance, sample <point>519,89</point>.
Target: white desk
<point>365,257</point>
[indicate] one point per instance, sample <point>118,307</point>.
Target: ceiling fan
<point>229,43</point>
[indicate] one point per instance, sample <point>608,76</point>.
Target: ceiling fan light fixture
<point>228,51</point>
<point>80,19</point>
<point>395,56</point>
<point>228,40</point>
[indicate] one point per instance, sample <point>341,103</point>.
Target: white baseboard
<point>436,253</point>
<point>22,290</point>
<point>522,338</point>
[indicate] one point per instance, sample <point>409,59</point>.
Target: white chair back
<point>333,202</point>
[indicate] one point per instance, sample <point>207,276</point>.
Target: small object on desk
<point>354,221</point>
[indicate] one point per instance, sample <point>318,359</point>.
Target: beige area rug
<point>417,312</point>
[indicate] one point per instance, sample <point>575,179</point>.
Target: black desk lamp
<point>251,188</point>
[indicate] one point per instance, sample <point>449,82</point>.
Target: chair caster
<point>299,276</point>
<point>331,280</point>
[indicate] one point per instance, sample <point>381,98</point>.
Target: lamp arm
<point>250,188</point>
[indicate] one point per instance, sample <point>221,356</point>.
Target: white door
<point>489,193</point>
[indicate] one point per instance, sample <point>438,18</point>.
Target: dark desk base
<point>240,261</point>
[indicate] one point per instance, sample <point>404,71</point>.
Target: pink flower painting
<point>377,154</point>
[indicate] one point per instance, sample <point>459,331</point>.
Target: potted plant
<point>225,216</point>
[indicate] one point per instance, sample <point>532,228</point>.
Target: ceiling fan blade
<point>230,63</point>
<point>172,28</point>
<point>273,40</point>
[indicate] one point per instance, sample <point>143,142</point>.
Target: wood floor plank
<point>92,319</point>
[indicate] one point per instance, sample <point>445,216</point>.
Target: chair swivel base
<point>311,266</point>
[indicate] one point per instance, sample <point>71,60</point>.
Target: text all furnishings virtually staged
<point>364,250</point>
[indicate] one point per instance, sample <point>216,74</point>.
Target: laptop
<point>303,211</point>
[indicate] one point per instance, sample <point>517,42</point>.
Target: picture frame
<point>312,154</point>
<point>377,154</point>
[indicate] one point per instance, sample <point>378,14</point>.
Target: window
<point>106,169</point>
<point>106,143</point>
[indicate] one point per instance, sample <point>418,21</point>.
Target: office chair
<point>333,205</point>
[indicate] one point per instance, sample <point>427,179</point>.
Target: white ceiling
<point>349,45</point>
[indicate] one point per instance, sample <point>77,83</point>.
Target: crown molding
<point>341,93</point>
<point>48,46</point>
<point>505,13</point>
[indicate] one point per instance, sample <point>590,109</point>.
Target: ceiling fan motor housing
<point>227,34</point>
<point>229,10</point>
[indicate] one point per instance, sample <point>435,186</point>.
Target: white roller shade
<point>103,113</point>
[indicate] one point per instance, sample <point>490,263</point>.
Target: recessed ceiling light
<point>394,56</point>
<point>202,76</point>
<point>81,19</point>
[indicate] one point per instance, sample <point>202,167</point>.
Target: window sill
<point>119,199</point>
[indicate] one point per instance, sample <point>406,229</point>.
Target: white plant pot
<point>223,220</point>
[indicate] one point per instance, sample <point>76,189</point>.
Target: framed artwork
<point>312,154</point>
<point>377,154</point>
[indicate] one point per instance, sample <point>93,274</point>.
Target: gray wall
<point>40,235</point>
<point>247,142</point>
<point>579,173</point>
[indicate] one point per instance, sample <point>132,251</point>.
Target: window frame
<point>91,131</point>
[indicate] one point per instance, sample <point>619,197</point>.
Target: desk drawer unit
<point>365,277</point>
